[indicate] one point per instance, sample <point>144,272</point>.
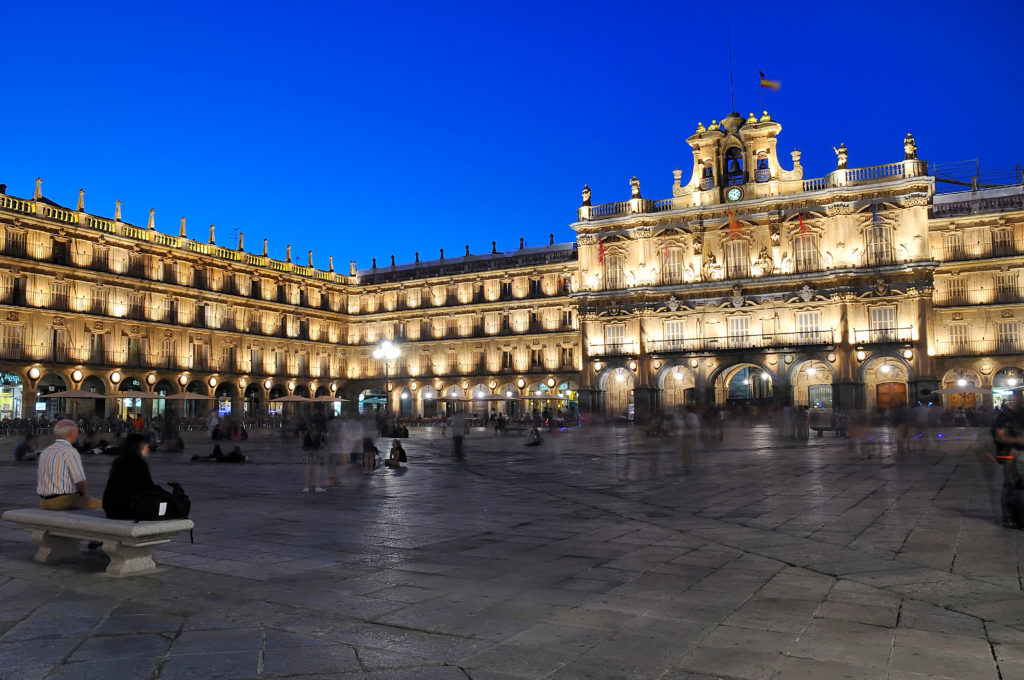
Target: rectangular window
<point>1008,337</point>
<point>506,290</point>
<point>10,342</point>
<point>613,272</point>
<point>806,251</point>
<point>614,340</point>
<point>959,340</point>
<point>536,287</point>
<point>739,330</point>
<point>506,360</point>
<point>59,295</point>
<point>737,261</point>
<point>536,359</point>
<point>674,266</point>
<point>567,358</point>
<point>1002,242</point>
<point>170,353</point>
<point>953,246</point>
<point>1006,287</point>
<point>808,324</point>
<point>879,246</point>
<point>255,362</point>
<point>674,334</point>
<point>136,306</point>
<point>883,324</point>
<point>567,319</point>
<point>280,366</point>
<point>956,291</point>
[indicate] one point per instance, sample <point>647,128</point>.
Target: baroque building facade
<point>861,289</point>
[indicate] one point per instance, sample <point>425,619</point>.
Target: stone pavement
<point>592,556</point>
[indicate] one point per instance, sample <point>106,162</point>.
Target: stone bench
<point>130,545</point>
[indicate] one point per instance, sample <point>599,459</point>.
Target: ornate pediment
<point>834,209</point>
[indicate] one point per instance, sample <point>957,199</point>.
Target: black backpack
<point>157,503</point>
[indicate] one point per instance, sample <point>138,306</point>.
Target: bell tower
<point>735,160</point>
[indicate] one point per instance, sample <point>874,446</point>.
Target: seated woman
<point>396,455</point>
<point>535,438</point>
<point>129,475</point>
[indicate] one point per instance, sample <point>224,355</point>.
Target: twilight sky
<point>362,130</point>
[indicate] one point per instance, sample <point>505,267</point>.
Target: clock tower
<point>735,160</point>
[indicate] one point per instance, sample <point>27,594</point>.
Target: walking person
<point>1008,433</point>
<point>458,432</point>
<point>313,458</point>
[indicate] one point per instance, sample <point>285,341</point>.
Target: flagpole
<point>732,96</point>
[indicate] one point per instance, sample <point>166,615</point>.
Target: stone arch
<point>677,384</point>
<point>48,384</point>
<point>886,378</point>
<point>618,383</point>
<point>428,397</point>
<point>743,382</point>
<point>301,391</point>
<point>967,378</point>
<point>811,379</point>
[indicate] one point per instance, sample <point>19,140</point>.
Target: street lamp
<point>387,352</point>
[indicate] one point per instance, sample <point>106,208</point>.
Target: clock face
<point>734,194</point>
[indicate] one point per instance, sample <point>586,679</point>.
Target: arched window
<point>763,173</point>
<point>734,166</point>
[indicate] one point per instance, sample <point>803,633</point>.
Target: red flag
<point>734,226</point>
<point>803,227</point>
<point>600,250</point>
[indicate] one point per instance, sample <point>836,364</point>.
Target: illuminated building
<point>861,289</point>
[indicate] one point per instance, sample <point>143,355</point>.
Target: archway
<point>429,396</point>
<point>224,395</point>
<point>51,408</point>
<point>618,386</point>
<point>93,408</point>
<point>323,391</point>
<point>678,387</point>
<point>478,396</point>
<point>130,407</point>
<point>745,384</point>
<point>885,381</point>
<point>195,408</point>
<point>1004,381</point>
<point>371,399</point>
<point>11,394</point>
<point>405,402</point>
<point>301,391</point>
<point>962,388</point>
<point>275,406</point>
<point>251,401</point>
<point>454,399</point>
<point>812,383</point>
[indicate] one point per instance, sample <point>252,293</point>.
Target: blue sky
<point>363,130</point>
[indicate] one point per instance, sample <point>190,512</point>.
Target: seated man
<point>61,481</point>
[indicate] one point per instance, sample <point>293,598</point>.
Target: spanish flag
<point>600,250</point>
<point>803,227</point>
<point>734,226</point>
<point>770,84</point>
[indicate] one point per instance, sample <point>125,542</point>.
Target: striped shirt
<point>60,468</point>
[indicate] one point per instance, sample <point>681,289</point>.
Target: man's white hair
<point>65,428</point>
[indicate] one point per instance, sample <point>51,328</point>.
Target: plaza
<point>594,555</point>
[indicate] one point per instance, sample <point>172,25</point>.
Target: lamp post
<point>387,352</point>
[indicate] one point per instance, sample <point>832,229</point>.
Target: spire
<point>265,247</point>
<point>117,211</point>
<point>310,259</point>
<point>39,189</point>
<point>152,220</point>
<point>81,200</point>
<point>241,241</point>
<point>330,263</point>
<point>288,253</point>
<point>211,234</point>
<point>181,230</point>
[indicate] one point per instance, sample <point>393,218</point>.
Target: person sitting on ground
<point>218,456</point>
<point>129,475</point>
<point>26,447</point>
<point>535,438</point>
<point>396,456</point>
<point>61,483</point>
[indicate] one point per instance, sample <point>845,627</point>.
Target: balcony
<point>749,341</point>
<point>613,349</point>
<point>959,252</point>
<point>977,296</point>
<point>957,348</point>
<point>882,336</point>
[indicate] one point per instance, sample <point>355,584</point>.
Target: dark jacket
<point>129,474</point>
